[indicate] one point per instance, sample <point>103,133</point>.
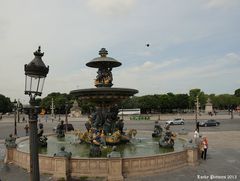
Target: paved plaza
<point>223,162</point>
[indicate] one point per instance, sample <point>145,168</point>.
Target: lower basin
<point>142,145</point>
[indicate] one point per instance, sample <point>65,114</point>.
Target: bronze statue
<point>167,141</point>
<point>157,130</point>
<point>60,130</point>
<point>42,140</point>
<point>63,153</point>
<point>10,142</point>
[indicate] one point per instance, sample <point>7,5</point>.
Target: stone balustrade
<point>111,168</point>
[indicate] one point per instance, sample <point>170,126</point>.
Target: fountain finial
<point>103,52</point>
<point>38,52</point>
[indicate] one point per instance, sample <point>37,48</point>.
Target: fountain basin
<point>142,145</point>
<point>110,168</point>
<point>104,94</point>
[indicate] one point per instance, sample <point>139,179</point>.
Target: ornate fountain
<point>104,122</point>
<point>141,157</point>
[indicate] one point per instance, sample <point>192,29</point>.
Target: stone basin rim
<point>21,139</point>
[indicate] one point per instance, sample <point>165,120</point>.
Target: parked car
<point>69,127</point>
<point>210,122</point>
<point>175,121</point>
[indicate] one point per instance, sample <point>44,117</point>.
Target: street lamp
<point>18,107</point>
<point>231,111</point>
<point>196,113</point>
<point>66,116</point>
<point>159,113</point>
<point>15,117</point>
<point>35,74</point>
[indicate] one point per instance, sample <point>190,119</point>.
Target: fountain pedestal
<point>62,166</point>
<point>115,169</point>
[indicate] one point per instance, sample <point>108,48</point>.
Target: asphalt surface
<point>223,158</point>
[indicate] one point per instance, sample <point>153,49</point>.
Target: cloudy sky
<point>193,44</point>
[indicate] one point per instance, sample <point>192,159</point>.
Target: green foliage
<point>148,103</point>
<point>59,100</point>
<point>5,104</point>
<point>237,93</point>
<point>193,93</point>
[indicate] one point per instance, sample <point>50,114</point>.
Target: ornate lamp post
<point>231,111</point>
<point>18,108</point>
<point>196,113</point>
<point>52,109</point>
<point>35,72</point>
<point>159,113</point>
<point>15,117</point>
<point>66,115</point>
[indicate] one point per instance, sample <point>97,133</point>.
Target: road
<point>7,125</point>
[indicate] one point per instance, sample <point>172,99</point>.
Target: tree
<point>193,93</point>
<point>59,101</point>
<point>181,101</point>
<point>237,93</point>
<point>5,104</point>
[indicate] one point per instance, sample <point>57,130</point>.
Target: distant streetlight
<point>196,113</point>
<point>35,74</point>
<point>66,115</point>
<point>52,109</point>
<point>15,117</point>
<point>231,111</point>
<point>159,113</point>
<point>18,107</point>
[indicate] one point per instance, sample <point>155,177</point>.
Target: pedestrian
<point>196,136</point>
<point>26,129</point>
<point>197,126</point>
<point>23,119</point>
<point>204,148</point>
<point>46,117</point>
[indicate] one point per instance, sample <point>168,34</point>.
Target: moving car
<point>175,121</point>
<point>210,122</point>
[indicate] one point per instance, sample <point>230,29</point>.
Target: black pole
<point>18,115</point>
<point>15,121</point>
<point>66,117</point>
<point>34,163</point>
<point>231,113</point>
<point>159,113</point>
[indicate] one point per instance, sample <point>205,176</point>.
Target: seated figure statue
<point>63,153</point>
<point>120,125</point>
<point>10,142</point>
<point>157,130</point>
<point>60,130</point>
<point>167,140</point>
<point>95,149</point>
<point>42,140</point>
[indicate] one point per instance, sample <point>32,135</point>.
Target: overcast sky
<point>193,44</point>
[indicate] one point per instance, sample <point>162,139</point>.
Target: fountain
<point>104,122</point>
<point>126,154</point>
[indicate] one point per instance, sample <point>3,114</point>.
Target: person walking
<point>26,129</point>
<point>196,136</point>
<point>204,148</point>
